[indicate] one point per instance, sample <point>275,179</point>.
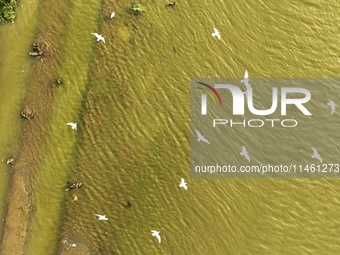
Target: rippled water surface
<point>130,98</point>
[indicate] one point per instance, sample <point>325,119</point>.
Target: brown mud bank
<point>37,105</point>
<point>35,110</point>
<point>43,83</point>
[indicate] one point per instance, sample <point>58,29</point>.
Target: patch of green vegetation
<point>136,8</point>
<point>7,10</point>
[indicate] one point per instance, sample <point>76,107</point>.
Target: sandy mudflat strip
<point>19,199</point>
<point>17,216</point>
<point>38,99</point>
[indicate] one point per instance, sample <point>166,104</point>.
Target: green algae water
<point>130,99</point>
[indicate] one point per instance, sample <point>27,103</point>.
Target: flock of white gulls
<point>74,126</point>
<point>100,37</point>
<point>103,217</point>
<point>154,232</point>
<point>244,152</point>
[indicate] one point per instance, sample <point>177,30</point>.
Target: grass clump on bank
<point>7,10</point>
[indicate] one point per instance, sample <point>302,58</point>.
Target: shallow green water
<point>130,98</point>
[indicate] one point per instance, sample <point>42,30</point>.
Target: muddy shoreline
<point>37,106</point>
<point>38,99</point>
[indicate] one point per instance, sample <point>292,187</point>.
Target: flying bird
<point>216,33</point>
<point>245,153</point>
<point>99,37</point>
<point>73,125</point>
<point>183,184</point>
<point>201,137</point>
<point>101,217</point>
<point>112,15</point>
<point>156,234</point>
<point>332,105</point>
<point>246,82</point>
<point>316,155</point>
